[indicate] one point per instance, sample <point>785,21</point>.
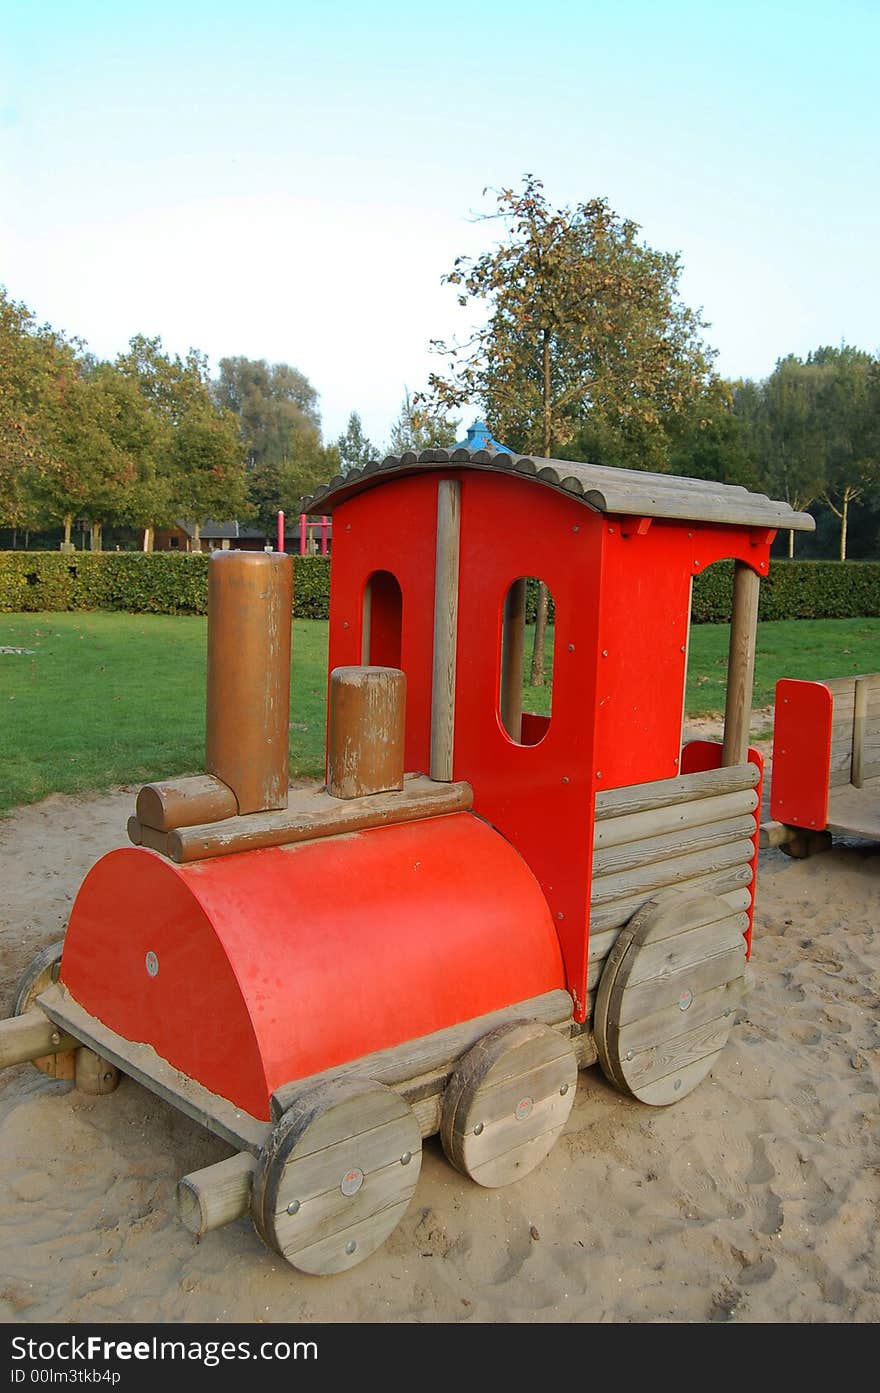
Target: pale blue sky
<point>290,180</point>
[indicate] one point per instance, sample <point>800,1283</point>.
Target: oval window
<point>526,688</point>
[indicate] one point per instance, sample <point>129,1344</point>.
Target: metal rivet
<point>576,528</point>
<point>571,648</point>
<point>523,1109</point>
<point>563,1090</point>
<point>598,773</point>
<point>406,1158</point>
<point>478,1129</point>
<point>559,914</point>
<point>727,1010</point>
<point>293,1207</point>
<point>604,652</point>
<point>685,999</point>
<point>55,1037</point>
<point>351,1247</point>
<point>108,1076</point>
<point>345,623</point>
<point>677,1084</point>
<point>152,964</point>
<point>629,1054</point>
<point>565,778</point>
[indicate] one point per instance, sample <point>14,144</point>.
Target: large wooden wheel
<point>666,997</point>
<point>39,974</point>
<point>507,1102</point>
<point>336,1174</point>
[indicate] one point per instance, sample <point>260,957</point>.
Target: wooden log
<point>30,1036</point>
<point>445,628</point>
<point>616,914</point>
<point>642,827</point>
<point>775,834</point>
<point>671,870</point>
<point>184,802</point>
<point>94,1074</point>
<point>216,1195</point>
<point>314,813</point>
<point>685,788</point>
<point>649,850</point>
<point>365,731</point>
<point>250,608</point>
<point>141,835</point>
<point>512,643</point>
<point>741,664</point>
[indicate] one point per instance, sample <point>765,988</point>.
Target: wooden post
<point>250,607</point>
<point>27,1037</point>
<point>512,641</point>
<point>860,716</point>
<point>217,1195</point>
<point>741,664</point>
<point>445,628</point>
<point>365,731</point>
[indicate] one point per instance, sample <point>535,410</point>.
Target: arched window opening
<point>382,621</point>
<point>525,710</point>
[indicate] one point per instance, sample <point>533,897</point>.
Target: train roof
<point>606,490</point>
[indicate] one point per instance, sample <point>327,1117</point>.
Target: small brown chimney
<point>250,609</point>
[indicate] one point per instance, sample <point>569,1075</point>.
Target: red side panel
<point>276,964</point>
<point>699,755</point>
<point>801,753</point>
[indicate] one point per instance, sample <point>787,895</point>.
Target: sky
<point>291,181</point>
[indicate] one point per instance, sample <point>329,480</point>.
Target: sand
<point>754,1199</point>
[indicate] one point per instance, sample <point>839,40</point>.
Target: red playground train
<point>479,900</point>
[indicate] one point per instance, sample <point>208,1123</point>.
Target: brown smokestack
<point>250,607</point>
<point>365,731</point>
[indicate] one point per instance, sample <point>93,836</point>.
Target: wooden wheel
<point>336,1174</point>
<point>507,1102</point>
<point>40,973</point>
<point>666,997</point>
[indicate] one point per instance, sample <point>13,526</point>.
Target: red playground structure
<point>479,900</point>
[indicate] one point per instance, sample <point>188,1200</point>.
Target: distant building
<point>236,536</point>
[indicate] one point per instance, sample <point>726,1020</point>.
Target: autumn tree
<point>584,321</point>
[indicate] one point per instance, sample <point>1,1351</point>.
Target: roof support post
<point>445,628</point>
<point>741,664</point>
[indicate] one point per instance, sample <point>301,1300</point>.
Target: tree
<point>418,428</point>
<point>848,405</point>
<point>276,406</point>
<point>199,457</point>
<point>787,436</point>
<point>584,322</point>
<point>355,450</point>
<point>34,362</point>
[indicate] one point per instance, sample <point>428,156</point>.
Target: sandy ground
<point>755,1199</point>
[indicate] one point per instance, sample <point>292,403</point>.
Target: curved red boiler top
<point>249,971</point>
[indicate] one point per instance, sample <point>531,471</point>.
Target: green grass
<point>107,699</point>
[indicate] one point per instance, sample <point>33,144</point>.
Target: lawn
<point>105,699</point>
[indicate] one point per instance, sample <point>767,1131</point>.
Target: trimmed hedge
<point>136,582</point>
<point>795,590</point>
<point>168,583</point>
